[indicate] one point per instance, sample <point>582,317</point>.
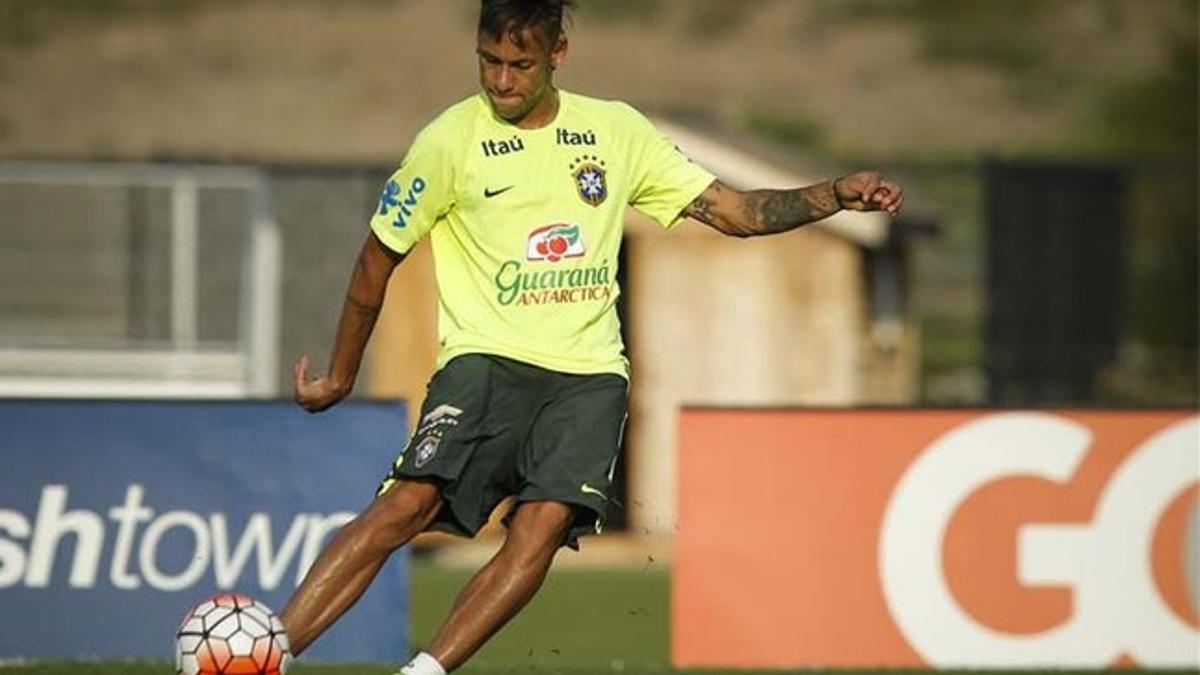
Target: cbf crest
<point>426,449</point>
<point>591,181</point>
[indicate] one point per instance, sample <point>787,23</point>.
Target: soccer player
<point>522,190</point>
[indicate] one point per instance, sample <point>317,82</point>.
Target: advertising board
<point>116,517</point>
<point>936,538</point>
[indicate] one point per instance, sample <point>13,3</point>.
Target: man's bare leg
<point>503,586</point>
<point>346,567</point>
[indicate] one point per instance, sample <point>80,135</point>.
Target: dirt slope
<point>355,80</point>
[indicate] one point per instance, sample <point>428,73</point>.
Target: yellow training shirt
<point>526,225</point>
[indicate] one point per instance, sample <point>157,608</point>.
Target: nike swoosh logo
<point>488,194</point>
<point>589,490</point>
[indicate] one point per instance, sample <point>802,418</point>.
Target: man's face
<point>517,77</point>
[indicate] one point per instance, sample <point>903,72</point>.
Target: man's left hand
<point>869,191</point>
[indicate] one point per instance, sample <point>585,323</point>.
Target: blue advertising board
<point>117,517</point>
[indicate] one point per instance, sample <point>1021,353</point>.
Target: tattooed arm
<point>364,300</point>
<point>761,212</point>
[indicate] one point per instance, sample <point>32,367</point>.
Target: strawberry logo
<point>554,242</point>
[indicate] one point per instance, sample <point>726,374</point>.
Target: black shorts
<point>492,427</point>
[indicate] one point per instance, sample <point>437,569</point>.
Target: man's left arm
<point>760,212</point>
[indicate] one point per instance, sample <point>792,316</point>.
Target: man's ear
<point>559,54</point>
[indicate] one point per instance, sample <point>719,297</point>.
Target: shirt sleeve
<point>419,193</point>
<point>666,180</point>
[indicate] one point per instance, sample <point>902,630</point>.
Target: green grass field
<point>612,621</point>
<point>581,622</point>
<point>598,621</point>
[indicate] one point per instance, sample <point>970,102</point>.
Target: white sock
<point>423,664</point>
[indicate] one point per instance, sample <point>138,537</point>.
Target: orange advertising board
<point>936,538</point>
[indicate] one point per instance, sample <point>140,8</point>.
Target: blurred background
<point>184,185</point>
<point>940,95</point>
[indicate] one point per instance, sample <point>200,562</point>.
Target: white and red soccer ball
<point>231,634</point>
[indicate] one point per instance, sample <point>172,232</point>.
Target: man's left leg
<point>505,584</point>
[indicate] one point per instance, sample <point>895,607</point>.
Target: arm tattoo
<point>701,209</point>
<point>773,211</point>
<point>748,214</point>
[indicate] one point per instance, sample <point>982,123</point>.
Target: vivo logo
<point>396,197</point>
<point>29,546</point>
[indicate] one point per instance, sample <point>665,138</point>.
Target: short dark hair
<point>512,17</point>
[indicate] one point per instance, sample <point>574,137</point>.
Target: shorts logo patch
<point>433,427</point>
<point>426,449</point>
<point>440,412</point>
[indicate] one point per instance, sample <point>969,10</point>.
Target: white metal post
<point>184,254</point>
<point>261,305</point>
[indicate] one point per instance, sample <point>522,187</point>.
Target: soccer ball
<point>231,634</point>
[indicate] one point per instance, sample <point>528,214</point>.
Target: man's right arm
<point>364,300</point>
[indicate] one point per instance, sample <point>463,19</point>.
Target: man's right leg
<point>346,567</point>
<point>505,584</point>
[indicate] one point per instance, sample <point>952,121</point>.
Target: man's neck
<point>542,114</point>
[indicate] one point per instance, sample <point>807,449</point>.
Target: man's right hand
<point>318,393</point>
